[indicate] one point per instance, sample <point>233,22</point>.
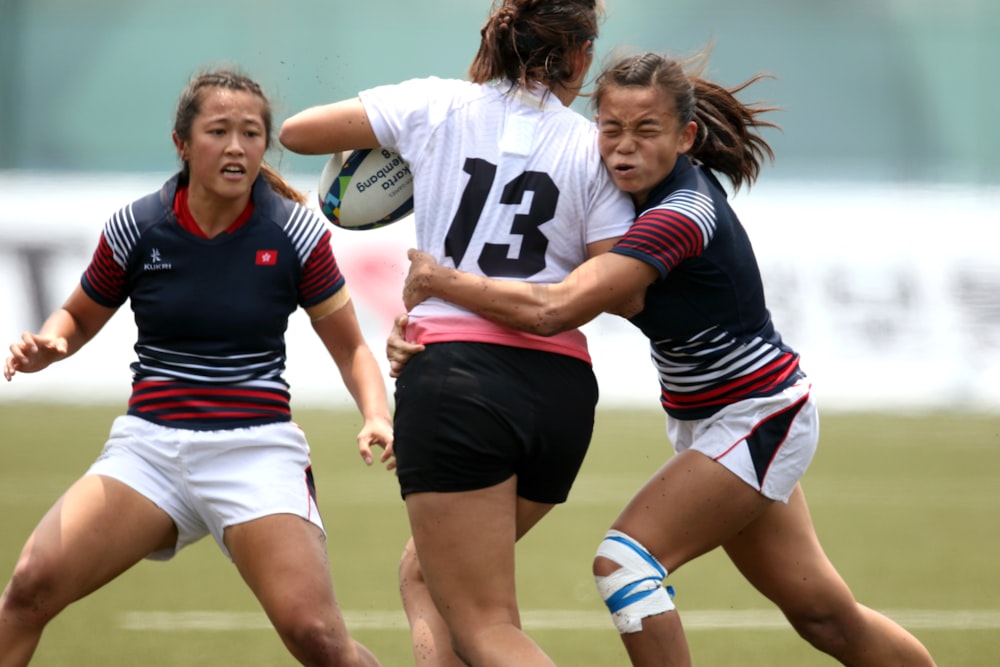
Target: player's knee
<point>31,594</point>
<point>476,642</point>
<point>461,651</point>
<point>409,565</point>
<point>411,577</point>
<point>828,630</point>
<point>314,642</point>
<point>630,581</point>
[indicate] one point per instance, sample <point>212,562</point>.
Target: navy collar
<point>668,184</point>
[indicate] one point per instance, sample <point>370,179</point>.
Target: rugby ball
<point>365,189</point>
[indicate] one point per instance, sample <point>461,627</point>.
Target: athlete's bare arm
<point>606,283</point>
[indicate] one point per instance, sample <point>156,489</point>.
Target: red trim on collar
<point>187,221</point>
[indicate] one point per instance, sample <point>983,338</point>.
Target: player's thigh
<point>465,544</point>
<point>98,529</point>
<point>780,554</point>
<point>529,513</point>
<point>689,507</point>
<point>283,559</point>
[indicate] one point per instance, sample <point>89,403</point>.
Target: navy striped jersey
<point>212,313</point>
<point>711,336</point>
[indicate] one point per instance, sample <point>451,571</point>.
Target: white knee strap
<point>635,591</point>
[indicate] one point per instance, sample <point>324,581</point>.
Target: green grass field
<point>907,507</point>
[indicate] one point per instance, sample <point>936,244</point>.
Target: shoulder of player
<point>300,226</point>
<point>687,187</point>
<point>430,88</point>
<point>127,224</point>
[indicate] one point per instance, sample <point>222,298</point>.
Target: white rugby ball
<point>369,188</point>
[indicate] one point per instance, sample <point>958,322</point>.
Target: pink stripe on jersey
<point>457,328</point>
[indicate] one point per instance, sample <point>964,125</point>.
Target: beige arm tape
<point>330,306</point>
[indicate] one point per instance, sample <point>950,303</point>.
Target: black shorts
<point>471,415</point>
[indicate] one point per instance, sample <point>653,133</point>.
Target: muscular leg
<point>428,631</point>
<point>284,561</point>
<point>466,542</point>
<point>781,556</point>
<point>97,530</point>
<point>689,507</point>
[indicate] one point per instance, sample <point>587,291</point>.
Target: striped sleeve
<point>679,228</point>
<point>321,276</point>
<point>104,278</point>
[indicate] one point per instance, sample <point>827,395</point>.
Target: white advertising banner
<point>891,293</point>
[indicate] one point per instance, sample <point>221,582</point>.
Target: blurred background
<point>899,90</point>
<point>875,226</point>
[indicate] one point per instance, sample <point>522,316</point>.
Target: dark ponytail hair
<point>534,40</point>
<point>189,106</point>
<point>728,140</point>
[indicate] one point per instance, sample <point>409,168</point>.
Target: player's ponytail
<point>280,185</point>
<point>728,140</point>
<point>534,40</point>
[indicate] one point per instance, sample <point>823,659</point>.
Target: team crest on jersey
<point>156,262</point>
<point>267,257</point>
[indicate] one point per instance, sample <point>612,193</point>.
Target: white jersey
<point>508,183</point>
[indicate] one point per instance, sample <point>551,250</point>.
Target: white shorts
<point>767,442</point>
<point>209,480</point>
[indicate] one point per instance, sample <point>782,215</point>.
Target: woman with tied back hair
<point>491,424</point>
<point>739,410</point>
<point>214,263</point>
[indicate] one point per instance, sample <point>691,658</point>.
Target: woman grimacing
<point>739,408</point>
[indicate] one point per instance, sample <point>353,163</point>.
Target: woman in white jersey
<point>491,424</point>
<point>213,264</point>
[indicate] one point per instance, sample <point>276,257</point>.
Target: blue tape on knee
<point>635,590</point>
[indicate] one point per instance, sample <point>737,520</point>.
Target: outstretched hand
<point>397,349</point>
<point>34,353</point>
<point>417,283</point>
